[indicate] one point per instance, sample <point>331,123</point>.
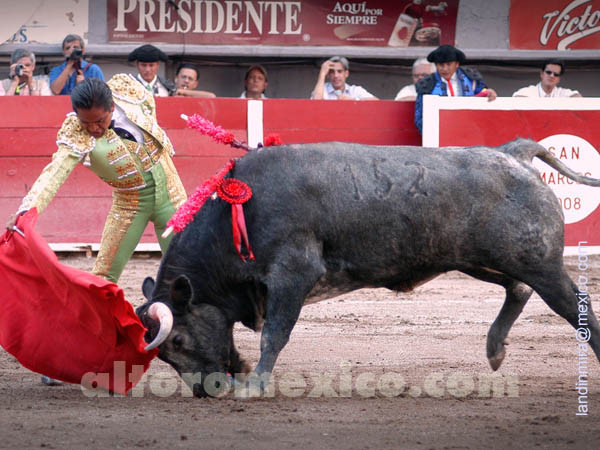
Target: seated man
<point>186,82</point>
<point>255,82</point>
<point>420,69</point>
<point>75,69</point>
<point>21,80</point>
<point>449,79</point>
<point>148,58</point>
<point>552,70</point>
<point>337,70</point>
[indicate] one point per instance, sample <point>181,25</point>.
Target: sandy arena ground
<point>368,370</point>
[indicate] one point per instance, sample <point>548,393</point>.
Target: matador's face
<point>95,120</point>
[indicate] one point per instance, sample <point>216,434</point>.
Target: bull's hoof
<point>496,360</point>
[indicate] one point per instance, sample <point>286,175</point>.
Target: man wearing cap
<point>337,69</point>
<point>449,80</point>
<point>255,82</point>
<point>148,59</point>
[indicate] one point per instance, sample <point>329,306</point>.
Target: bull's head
<point>194,337</point>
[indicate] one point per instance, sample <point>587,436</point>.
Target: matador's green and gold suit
<point>146,184</point>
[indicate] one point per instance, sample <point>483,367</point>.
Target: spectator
<point>21,80</point>
<point>337,70</point>
<point>420,69</point>
<point>186,82</point>
<point>255,82</point>
<point>75,69</point>
<point>449,79</point>
<point>552,70</point>
<point>148,59</point>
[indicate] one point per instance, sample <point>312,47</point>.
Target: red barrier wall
<point>28,128</point>
<point>570,121</point>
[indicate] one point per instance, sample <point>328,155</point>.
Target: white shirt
<point>455,85</point>
<point>406,91</point>
<point>155,86</point>
<point>122,121</point>
<point>354,91</point>
<point>538,91</point>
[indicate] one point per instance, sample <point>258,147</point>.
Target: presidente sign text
<point>283,22</point>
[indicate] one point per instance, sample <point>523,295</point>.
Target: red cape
<point>63,322</point>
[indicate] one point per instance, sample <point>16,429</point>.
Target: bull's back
<point>390,209</point>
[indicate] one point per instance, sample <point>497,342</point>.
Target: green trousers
<point>127,220</point>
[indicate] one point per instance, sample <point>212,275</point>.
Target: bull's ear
<point>181,291</point>
<point>148,287</point>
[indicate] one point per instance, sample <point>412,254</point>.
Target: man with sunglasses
<point>552,70</point>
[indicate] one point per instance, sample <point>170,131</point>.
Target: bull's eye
<point>178,342</point>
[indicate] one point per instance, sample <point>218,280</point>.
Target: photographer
<point>20,79</point>
<point>75,69</point>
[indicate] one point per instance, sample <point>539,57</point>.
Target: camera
<point>19,70</point>
<point>76,56</point>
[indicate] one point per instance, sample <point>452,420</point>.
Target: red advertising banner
<point>565,126</point>
<point>288,23</point>
<point>555,24</point>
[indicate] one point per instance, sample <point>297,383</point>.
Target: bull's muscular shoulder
<point>426,85</point>
<point>472,73</point>
<point>126,88</point>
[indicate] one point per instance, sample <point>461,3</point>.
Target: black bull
<point>330,218</point>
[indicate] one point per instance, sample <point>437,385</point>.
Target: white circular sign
<point>577,200</point>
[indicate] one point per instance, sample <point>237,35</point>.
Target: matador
<point>114,132</point>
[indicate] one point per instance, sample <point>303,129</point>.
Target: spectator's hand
<point>345,97</point>
<point>12,75</point>
<point>325,68</point>
<point>70,67</point>
<point>28,75</point>
<point>80,78</point>
<point>491,95</point>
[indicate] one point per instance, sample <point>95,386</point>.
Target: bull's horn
<point>160,312</point>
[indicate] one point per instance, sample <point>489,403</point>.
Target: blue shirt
<point>93,71</point>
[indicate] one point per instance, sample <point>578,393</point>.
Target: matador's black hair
<point>93,92</point>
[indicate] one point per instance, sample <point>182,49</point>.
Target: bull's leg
<point>516,297</point>
<point>292,277</point>
<point>562,295</point>
<point>517,294</point>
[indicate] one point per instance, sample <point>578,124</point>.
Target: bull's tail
<point>526,150</point>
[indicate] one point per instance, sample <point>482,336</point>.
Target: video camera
<point>19,70</point>
<point>76,56</point>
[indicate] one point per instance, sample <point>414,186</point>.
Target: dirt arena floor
<point>368,370</point>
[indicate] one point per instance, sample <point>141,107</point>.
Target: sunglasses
<point>549,72</point>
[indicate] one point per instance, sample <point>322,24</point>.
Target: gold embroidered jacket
<point>118,162</point>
